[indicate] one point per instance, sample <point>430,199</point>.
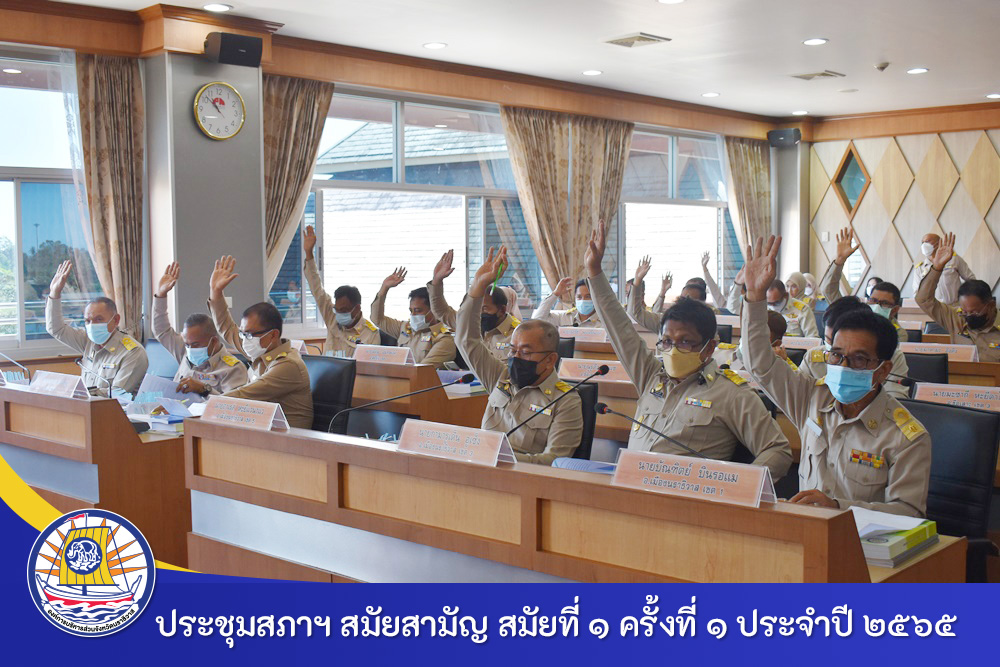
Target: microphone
<point>603,369</point>
<point>87,370</point>
<point>603,409</point>
<point>904,380</point>
<point>27,373</point>
<point>468,378</point>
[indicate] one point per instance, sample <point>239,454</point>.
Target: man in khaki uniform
<point>111,360</point>
<point>429,339</point>
<point>526,384</point>
<point>277,372</point>
<point>581,315</point>
<point>204,365</point>
<point>800,317</point>
<point>975,320</point>
<point>860,447</point>
<point>685,395</point>
<point>346,327</point>
<point>953,272</point>
<point>496,323</point>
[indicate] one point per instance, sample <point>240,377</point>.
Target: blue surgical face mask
<point>344,319</point>
<point>848,385</point>
<point>585,306</point>
<point>418,322</point>
<point>292,296</point>
<point>197,355</point>
<point>98,332</point>
<point>777,307</point>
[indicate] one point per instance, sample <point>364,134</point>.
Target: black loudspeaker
<point>230,49</point>
<point>784,138</point>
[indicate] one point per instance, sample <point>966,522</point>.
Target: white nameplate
<point>954,352</point>
<point>58,384</point>
<point>258,415</point>
<point>584,334</point>
<point>384,354</point>
<point>692,477</point>
<point>800,342</point>
<point>298,345</point>
<point>458,443</point>
<point>731,320</point>
<point>981,398</point>
<point>577,369</point>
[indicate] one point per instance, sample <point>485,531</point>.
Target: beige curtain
<point>111,133</point>
<point>749,185</point>
<point>294,114</point>
<point>547,149</point>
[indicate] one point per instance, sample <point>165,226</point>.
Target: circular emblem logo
<point>91,573</point>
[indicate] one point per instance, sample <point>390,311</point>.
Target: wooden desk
<point>620,397</point>
<point>586,350</point>
<point>376,381</point>
<point>85,454</point>
<point>333,508</point>
<point>59,364</point>
<point>976,373</point>
<point>941,339</point>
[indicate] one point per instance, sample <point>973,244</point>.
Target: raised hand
<point>496,263</point>
<point>741,276</point>
<point>666,283</point>
<point>845,245</point>
<point>642,269</point>
<point>562,289</point>
<point>223,274</point>
<point>594,256</point>
<point>59,280</point>
<point>309,241</point>
<point>394,278</point>
<point>444,268</point>
<point>169,279</point>
<point>704,261</point>
<point>761,267</point>
<point>944,253</point>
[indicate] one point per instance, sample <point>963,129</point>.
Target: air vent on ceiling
<point>637,39</point>
<point>825,74</point>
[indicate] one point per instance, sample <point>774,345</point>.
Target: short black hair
<point>421,293</point>
<point>977,288</point>
<point>886,338</point>
<point>700,289</point>
<point>697,281</point>
<point>269,316</point>
<point>897,298</point>
<point>630,281</point>
<point>777,325</point>
<point>498,297</point>
<point>841,307</point>
<point>876,279</point>
<point>693,312</point>
<point>201,320</point>
<point>778,285</point>
<point>352,293</point>
<point>107,303</point>
<point>582,282</point>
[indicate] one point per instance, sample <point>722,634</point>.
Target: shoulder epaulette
<point>230,360</point>
<point>820,382</point>
<point>514,322</point>
<point>571,310</point>
<point>895,324</point>
<point>129,344</point>
<point>734,377</point>
<point>442,330</point>
<point>727,346</point>
<point>563,386</point>
<point>910,427</point>
<point>817,356</point>
<point>371,327</point>
<point>280,355</point>
<point>791,364</point>
<point>797,305</point>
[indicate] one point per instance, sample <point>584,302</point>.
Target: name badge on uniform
<point>354,339</point>
<point>814,426</point>
<point>657,390</point>
<point>698,402</point>
<point>109,366</point>
<point>539,408</point>
<point>867,459</point>
<point>994,346</point>
<point>426,338</point>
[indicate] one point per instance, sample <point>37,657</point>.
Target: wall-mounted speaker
<point>784,138</point>
<point>231,49</point>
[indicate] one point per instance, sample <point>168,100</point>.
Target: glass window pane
<point>732,256</point>
<point>367,234</point>
<point>456,147</point>
<point>647,172</point>
<point>358,141</point>
<point>52,232</point>
<point>290,289</point>
<point>8,261</point>
<point>32,117</point>
<point>699,170</point>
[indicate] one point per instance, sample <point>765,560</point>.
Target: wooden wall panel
<point>53,425</point>
<point>85,29</point>
<point>290,474</point>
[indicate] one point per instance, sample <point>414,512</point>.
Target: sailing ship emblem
<point>91,572</point>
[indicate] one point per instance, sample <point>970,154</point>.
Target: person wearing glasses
<point>860,447</point>
<point>526,384</point>
<point>277,373</point>
<point>682,392</point>
<point>884,300</point>
<point>975,320</point>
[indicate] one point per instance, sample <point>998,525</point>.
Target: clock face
<point>219,110</point>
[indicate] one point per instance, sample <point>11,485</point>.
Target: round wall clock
<point>219,110</point>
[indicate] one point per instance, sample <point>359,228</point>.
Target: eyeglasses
<point>523,353</point>
<point>885,304</point>
<point>665,345</point>
<point>858,362</point>
<point>247,335</point>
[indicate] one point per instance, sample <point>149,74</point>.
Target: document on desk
<point>58,384</point>
<point>460,390</point>
<point>151,392</point>
<point>871,523</point>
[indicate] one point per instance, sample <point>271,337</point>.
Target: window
<point>699,170</point>
<point>647,172</point>
<point>358,142</point>
<point>290,292</point>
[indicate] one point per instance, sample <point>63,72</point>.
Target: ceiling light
<point>11,70</point>
<point>670,2</point>
<point>217,7</point>
<point>592,72</point>
<point>991,96</point>
<point>441,125</point>
<point>435,45</point>
<point>800,113</point>
<point>918,70</point>
<point>816,41</point>
<point>710,94</point>
<point>848,90</point>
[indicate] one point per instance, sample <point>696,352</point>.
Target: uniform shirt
<point>565,318</point>
<point>278,376</point>
<point>814,366</point>
<point>434,345</point>
<point>831,286</point>
<point>880,459</point>
<point>121,362</point>
<point>734,300</point>
<point>554,433</point>
<point>710,411</point>
<point>340,341</point>
<point>728,354</point>
<point>987,340</point>
<point>955,273</point>
<point>800,318</point>
<point>496,340</point>
<point>221,373</point>
<point>647,318</point>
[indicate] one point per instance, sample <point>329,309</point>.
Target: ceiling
<point>745,50</point>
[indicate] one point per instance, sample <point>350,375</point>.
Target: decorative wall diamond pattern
<point>819,183</point>
<point>892,178</point>
<point>981,174</point>
<point>937,176</point>
<point>960,145</point>
<point>961,217</point>
<point>915,147</point>
<point>983,255</point>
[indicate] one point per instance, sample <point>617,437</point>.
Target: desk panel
<point>280,472</point>
<point>52,425</point>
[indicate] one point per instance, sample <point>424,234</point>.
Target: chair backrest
<point>242,359</point>
<point>386,339</point>
<point>914,336</point>
<point>820,321</point>
<point>332,383</point>
<point>725,332</point>
<point>588,399</point>
<point>376,424</point>
<point>963,465</point>
<point>927,367</point>
<point>161,362</point>
<point>796,355</point>
<point>567,348</point>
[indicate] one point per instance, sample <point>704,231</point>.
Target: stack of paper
<point>459,390</point>
<point>890,539</point>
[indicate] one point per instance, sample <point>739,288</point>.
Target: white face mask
<point>344,319</point>
<point>253,348</point>
<point>778,307</point>
<point>418,322</point>
<point>809,290</point>
<point>927,249</point>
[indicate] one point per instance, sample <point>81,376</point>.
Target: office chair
<point>914,336</point>
<point>376,424</point>
<point>963,466</point>
<point>241,358</point>
<point>588,399</point>
<point>566,348</point>
<point>332,383</point>
<point>820,321</point>
<point>161,362</point>
<point>927,367</point>
<point>386,340</point>
<point>934,328</point>
<point>796,355</point>
<point>725,332</point>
